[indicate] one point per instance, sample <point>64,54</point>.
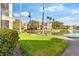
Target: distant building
<point>6,15</point>
<point>71,29</point>
<point>47,25</point>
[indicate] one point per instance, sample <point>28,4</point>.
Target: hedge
<point>8,41</point>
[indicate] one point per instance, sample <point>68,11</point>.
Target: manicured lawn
<point>73,37</point>
<point>25,36</point>
<point>38,45</point>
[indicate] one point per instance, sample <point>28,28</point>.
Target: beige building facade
<point>6,16</point>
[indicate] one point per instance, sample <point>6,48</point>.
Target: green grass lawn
<point>40,45</point>
<point>25,36</point>
<point>73,37</point>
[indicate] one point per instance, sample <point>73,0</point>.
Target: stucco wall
<point>10,19</point>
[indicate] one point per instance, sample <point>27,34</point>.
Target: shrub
<point>8,41</point>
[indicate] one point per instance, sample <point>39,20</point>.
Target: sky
<point>68,13</point>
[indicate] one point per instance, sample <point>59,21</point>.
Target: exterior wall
<point>10,24</point>
<point>5,23</point>
<point>6,17</point>
<point>47,26</point>
<point>5,9</point>
<point>39,25</point>
<point>25,26</point>
<point>10,19</point>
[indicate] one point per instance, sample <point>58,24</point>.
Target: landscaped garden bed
<point>38,45</point>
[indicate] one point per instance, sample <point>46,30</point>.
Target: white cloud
<point>69,20</point>
<point>16,14</point>
<point>75,12</point>
<point>41,9</point>
<point>54,8</point>
<point>65,18</point>
<point>25,13</point>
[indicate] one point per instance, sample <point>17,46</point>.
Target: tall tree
<point>57,25</point>
<point>48,17</point>
<point>16,24</point>
<point>33,25</point>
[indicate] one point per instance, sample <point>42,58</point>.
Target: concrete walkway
<point>17,51</point>
<point>73,48</point>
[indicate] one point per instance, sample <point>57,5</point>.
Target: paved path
<point>73,48</point>
<point>17,51</point>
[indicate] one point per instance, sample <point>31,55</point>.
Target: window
<point>5,9</point>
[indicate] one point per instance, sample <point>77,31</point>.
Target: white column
<point>10,24</point>
<point>10,9</point>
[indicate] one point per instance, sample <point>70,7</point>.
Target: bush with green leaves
<point>8,41</point>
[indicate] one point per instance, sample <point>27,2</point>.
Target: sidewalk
<point>73,48</point>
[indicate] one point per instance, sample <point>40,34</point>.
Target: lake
<point>74,34</point>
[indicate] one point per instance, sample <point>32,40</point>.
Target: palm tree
<point>50,18</point>
<point>53,22</point>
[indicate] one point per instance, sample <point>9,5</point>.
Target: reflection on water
<point>76,31</point>
<point>74,34</point>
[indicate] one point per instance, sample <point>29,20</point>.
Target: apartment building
<point>6,19</point>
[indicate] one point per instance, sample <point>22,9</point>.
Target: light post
<point>29,16</point>
<point>29,19</point>
<point>43,19</point>
<point>20,16</point>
